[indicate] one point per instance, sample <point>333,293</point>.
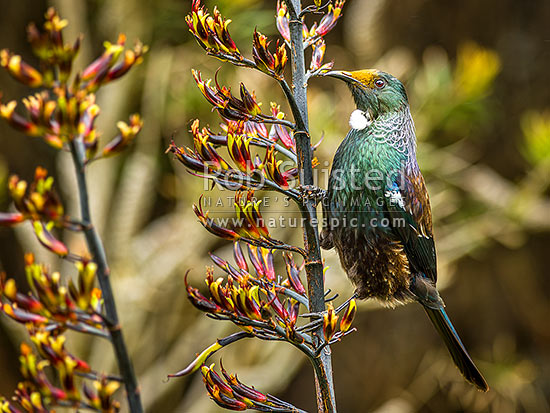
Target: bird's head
<point>374,91</point>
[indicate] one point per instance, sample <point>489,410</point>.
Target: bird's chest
<point>363,169</point>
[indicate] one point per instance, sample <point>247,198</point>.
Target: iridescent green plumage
<point>377,211</point>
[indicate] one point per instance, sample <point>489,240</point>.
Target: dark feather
<point>416,238</point>
<point>460,356</point>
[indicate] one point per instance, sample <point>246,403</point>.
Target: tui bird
<point>376,208</point>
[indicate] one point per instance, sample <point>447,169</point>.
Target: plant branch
<point>314,267</point>
<point>95,246</point>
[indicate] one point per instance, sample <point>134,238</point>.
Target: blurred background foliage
<point>478,76</point>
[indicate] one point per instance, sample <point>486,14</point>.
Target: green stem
<point>95,246</point>
<point>297,98</point>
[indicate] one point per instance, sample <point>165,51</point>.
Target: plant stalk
<point>326,402</point>
<point>95,246</point>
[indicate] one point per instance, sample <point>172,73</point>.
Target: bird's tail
<point>458,352</point>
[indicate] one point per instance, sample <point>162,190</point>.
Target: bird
<point>376,209</point>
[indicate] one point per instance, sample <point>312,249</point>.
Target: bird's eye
<point>379,83</point>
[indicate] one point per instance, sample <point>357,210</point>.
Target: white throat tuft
<point>359,120</point>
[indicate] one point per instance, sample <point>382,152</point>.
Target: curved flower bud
<point>188,158</point>
<point>40,202</point>
<point>22,316</point>
<point>211,226</point>
<point>102,399</point>
<point>131,58</point>
<point>105,68</point>
<point>317,55</point>
<point>231,394</point>
<point>199,300</point>
<point>255,256</point>
<point>239,257</point>
<point>17,121</point>
<point>10,219</point>
<point>282,20</point>
<point>272,166</point>
<point>275,303</point>
<point>213,379</point>
<point>19,69</point>
<point>205,150</point>
<point>330,321</point>
<point>272,64</point>
<point>238,147</point>
<point>53,349</point>
<point>249,101</point>
<point>293,274</point>
<point>126,136</point>
<point>329,20</point>
<point>348,316</point>
<point>225,103</point>
<point>84,295</point>
<point>33,371</point>
<point>199,361</point>
<point>211,32</point>
<point>250,221</point>
<point>46,238</point>
<point>281,132</point>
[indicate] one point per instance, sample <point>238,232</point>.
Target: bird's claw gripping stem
<point>308,192</point>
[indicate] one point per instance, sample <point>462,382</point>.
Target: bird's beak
<point>342,75</point>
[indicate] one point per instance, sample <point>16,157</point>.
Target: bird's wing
<point>409,214</point>
<point>326,235</point>
<point>330,206</point>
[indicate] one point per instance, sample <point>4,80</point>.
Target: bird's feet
<point>313,192</point>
